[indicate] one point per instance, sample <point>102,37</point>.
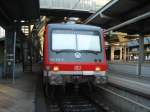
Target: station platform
<point>20,95</point>
<point>129,68</point>
<point>134,83</point>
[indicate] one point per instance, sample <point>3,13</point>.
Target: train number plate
<point>77,73</point>
<point>88,72</point>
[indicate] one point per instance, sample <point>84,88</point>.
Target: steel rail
<point>125,98</point>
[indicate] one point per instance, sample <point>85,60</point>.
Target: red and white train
<point>74,53</point>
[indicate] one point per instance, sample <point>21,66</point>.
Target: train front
<point>74,54</point>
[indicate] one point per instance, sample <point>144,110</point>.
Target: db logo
<point>77,68</point>
<point>77,55</point>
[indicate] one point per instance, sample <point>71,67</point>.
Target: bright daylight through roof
<point>88,5</point>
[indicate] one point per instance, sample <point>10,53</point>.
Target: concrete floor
<point>130,69</point>
<point>20,96</point>
<point>131,82</point>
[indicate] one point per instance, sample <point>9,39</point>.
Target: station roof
<point>58,9</point>
<point>82,5</point>
<point>113,13</point>
<point>118,11</point>
<point>58,14</point>
<point>30,10</point>
<point>11,10</point>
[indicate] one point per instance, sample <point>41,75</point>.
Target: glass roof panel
<point>87,5</point>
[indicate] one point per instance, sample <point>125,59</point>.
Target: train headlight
<point>55,68</point>
<point>97,69</point>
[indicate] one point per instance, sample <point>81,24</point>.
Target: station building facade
<point>125,48</point>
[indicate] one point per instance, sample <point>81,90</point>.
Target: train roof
<point>74,26</point>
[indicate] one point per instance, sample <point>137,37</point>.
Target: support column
<point>125,54</point>
<point>112,53</point>
<point>120,53</point>
<point>141,55</point>
<point>27,51</point>
<point>10,46</point>
<point>128,57</point>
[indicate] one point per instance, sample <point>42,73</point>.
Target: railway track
<point>73,104</point>
<point>91,99</point>
<point>72,101</point>
<point>123,100</point>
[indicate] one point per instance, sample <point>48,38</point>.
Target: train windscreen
<point>76,40</point>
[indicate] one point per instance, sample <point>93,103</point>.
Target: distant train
<point>73,53</point>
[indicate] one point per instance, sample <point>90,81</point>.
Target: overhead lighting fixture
<point>22,21</point>
<point>65,18</point>
<point>73,18</point>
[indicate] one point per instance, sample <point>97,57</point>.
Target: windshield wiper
<point>65,50</point>
<point>89,51</point>
<point>73,50</point>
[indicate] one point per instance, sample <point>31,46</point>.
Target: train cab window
<point>63,39</point>
<point>91,42</point>
<point>75,40</point>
